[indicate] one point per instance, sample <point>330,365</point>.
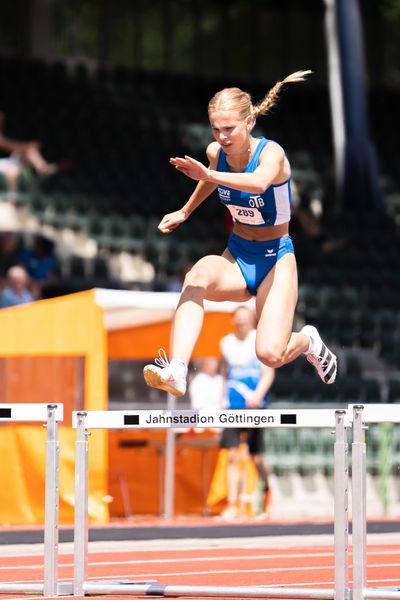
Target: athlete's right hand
<point>170,221</point>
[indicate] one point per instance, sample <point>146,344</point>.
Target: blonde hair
<point>235,99</point>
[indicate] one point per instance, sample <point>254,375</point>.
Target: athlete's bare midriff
<point>261,234</point>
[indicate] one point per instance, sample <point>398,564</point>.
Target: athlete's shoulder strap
<point>221,161</point>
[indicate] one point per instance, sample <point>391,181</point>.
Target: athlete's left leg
<point>276,301</point>
<point>276,344</point>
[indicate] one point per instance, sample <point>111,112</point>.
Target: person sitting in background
<point>10,248</point>
<point>21,154</point>
<point>17,290</point>
<point>40,263</point>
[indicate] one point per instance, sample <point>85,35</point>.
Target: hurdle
<point>50,415</point>
<point>362,415</point>
<point>336,420</point>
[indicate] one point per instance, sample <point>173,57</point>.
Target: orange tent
<point>57,351</point>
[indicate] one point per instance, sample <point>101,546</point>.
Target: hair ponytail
<point>271,98</point>
<point>237,100</point>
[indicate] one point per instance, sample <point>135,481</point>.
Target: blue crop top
<point>272,207</point>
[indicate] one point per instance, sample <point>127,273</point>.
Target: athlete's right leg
<point>276,344</point>
<point>215,278</point>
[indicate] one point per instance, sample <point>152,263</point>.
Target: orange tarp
<point>143,341</point>
<point>136,474</point>
<point>23,449</point>
<point>43,346</point>
<point>218,492</point>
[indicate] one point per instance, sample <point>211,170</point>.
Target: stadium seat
<point>350,389</point>
<point>353,365</point>
<point>372,392</point>
<point>282,388</point>
<point>305,388</point>
<point>394,391</point>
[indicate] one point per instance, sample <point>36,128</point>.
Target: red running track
<point>310,567</point>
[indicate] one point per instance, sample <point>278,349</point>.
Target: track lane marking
<point>198,559</point>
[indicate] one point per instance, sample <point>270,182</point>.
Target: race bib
<point>248,216</point>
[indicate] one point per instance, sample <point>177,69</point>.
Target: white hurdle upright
<point>320,418</point>
<point>362,415</point>
<point>50,415</point>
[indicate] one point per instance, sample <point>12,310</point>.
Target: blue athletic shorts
<point>256,259</point>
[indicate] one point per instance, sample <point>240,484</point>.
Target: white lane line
<point>266,543</point>
<point>175,560</point>
<point>203,559</point>
<point>207,573</point>
<point>199,559</point>
<point>231,571</point>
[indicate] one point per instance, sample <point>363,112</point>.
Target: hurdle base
<point>27,588</point>
<point>383,592</point>
<point>128,581</point>
<point>154,589</point>
<point>66,588</point>
<point>63,589</point>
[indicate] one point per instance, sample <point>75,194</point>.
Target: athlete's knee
<point>197,276</point>
<point>270,355</point>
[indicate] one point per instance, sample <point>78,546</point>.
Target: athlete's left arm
<point>271,169</point>
<point>264,384</point>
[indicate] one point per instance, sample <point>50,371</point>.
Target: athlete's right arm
<point>202,191</point>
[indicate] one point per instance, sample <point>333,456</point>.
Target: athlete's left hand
<point>190,167</point>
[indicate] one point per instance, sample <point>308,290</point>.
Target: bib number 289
<point>248,216</point>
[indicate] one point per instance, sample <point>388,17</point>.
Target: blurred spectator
<point>40,263</point>
<point>206,387</point>
<point>306,228</point>
<point>16,291</point>
<point>21,154</point>
<point>307,225</point>
<point>248,382</point>
<point>10,248</point>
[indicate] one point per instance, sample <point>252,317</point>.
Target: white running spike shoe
<point>323,359</point>
<point>165,375</point>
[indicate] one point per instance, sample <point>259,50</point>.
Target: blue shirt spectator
<point>39,261</point>
<point>16,291</point>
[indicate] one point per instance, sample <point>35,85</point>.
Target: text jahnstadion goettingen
<point>211,420</point>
